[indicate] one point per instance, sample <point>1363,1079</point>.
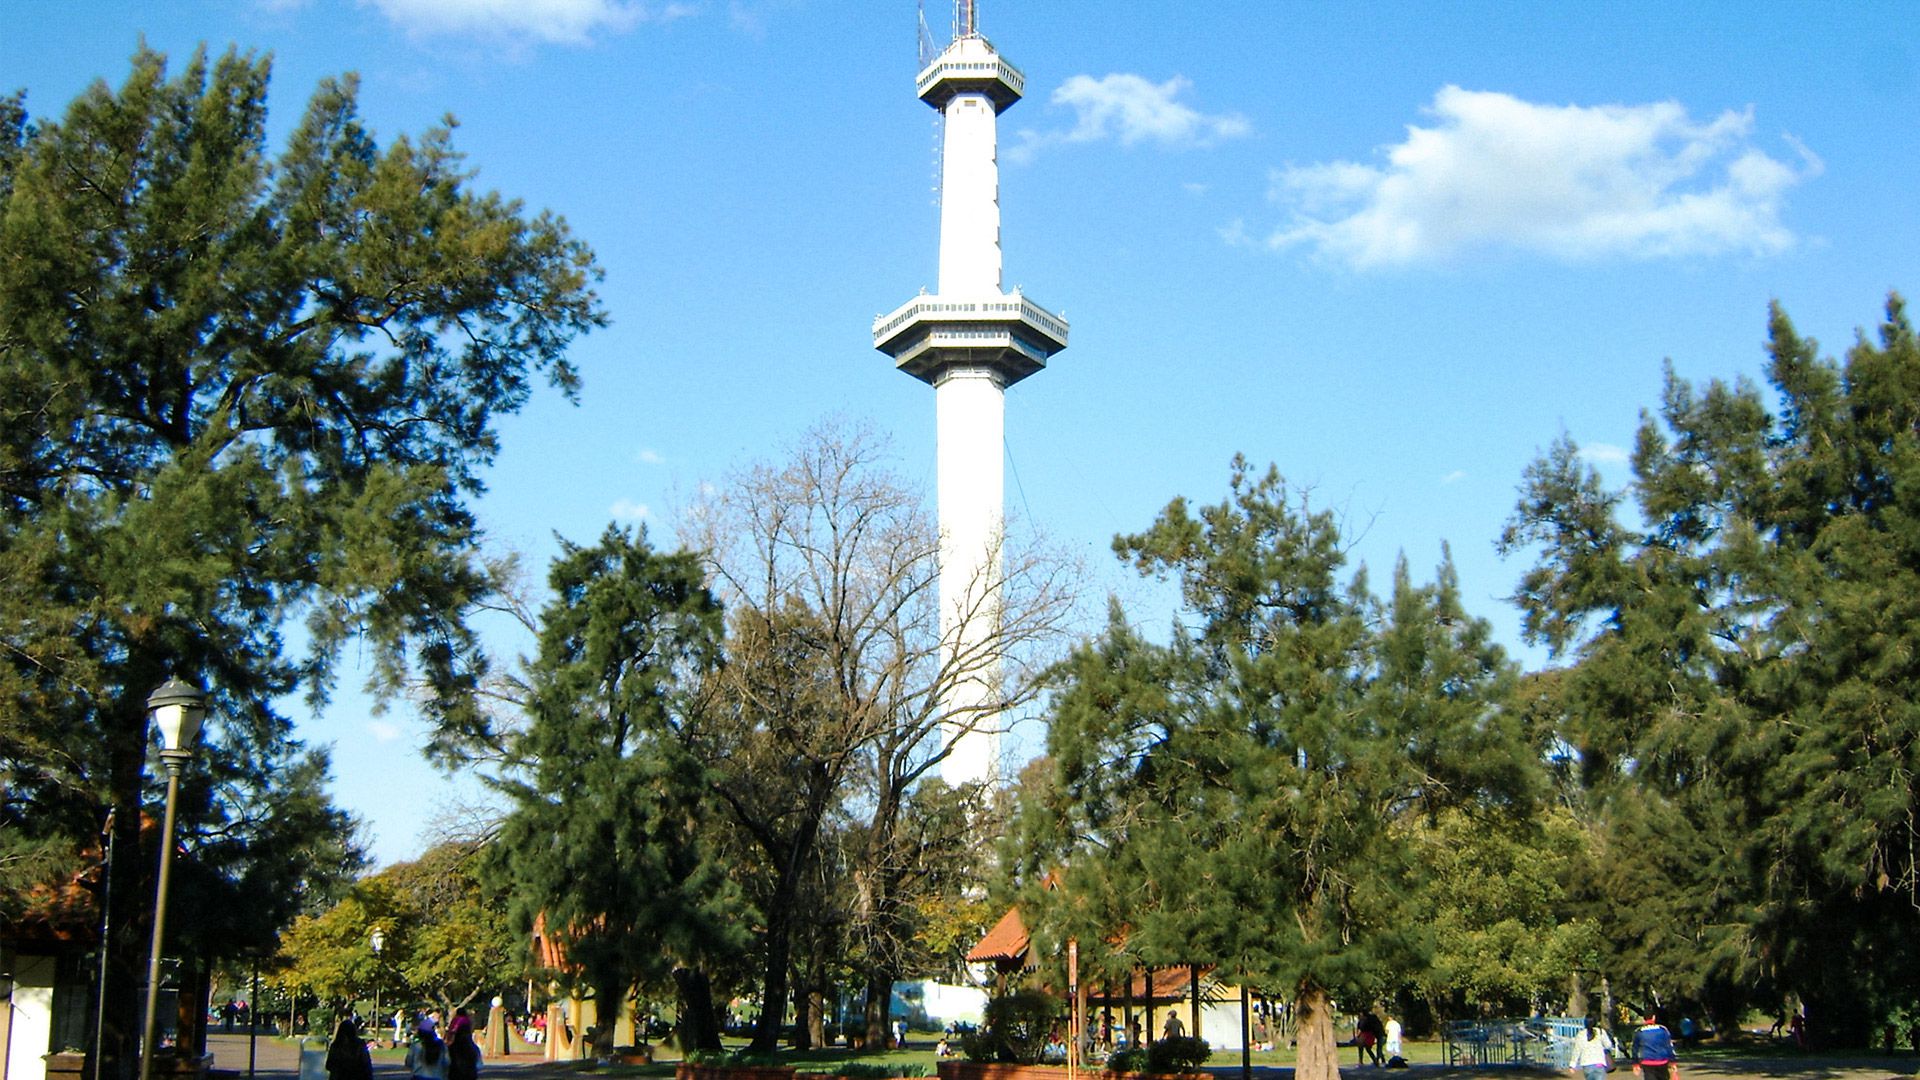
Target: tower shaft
<point>970,408</point>
<point>970,199</point>
<point>970,341</point>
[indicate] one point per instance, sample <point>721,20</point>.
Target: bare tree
<point>828,563</point>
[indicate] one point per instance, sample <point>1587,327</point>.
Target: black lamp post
<point>378,939</point>
<point>177,708</point>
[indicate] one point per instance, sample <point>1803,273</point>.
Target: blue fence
<point>1540,1040</point>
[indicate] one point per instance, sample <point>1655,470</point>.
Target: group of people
<point>1376,1039</point>
<point>1652,1049</point>
<point>429,1057</point>
<point>234,1013</point>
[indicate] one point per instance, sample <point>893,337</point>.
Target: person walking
<point>1393,1039</point>
<point>463,1054</point>
<point>347,1055</point>
<point>427,1054</point>
<point>1173,1028</point>
<point>1593,1051</point>
<point>1370,1035</point>
<point>1653,1051</point>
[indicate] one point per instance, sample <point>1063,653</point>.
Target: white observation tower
<point>970,340</point>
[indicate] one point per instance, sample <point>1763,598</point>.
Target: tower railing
<point>935,308</point>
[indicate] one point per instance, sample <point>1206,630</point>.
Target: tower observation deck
<point>970,340</point>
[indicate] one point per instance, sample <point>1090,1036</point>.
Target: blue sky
<point>1394,248</point>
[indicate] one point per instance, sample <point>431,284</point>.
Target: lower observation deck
<point>1009,332</point>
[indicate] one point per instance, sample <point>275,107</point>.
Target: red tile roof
<point>1006,943</point>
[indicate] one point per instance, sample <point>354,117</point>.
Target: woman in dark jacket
<point>463,1054</point>
<point>347,1056</point>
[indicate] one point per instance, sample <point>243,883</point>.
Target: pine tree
<point>1743,677</point>
<point>608,839</point>
<point>1230,797</point>
<point>239,392</point>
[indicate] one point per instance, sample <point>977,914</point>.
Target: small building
<point>46,982</point>
<point>1146,999</point>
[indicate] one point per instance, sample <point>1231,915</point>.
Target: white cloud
<point>383,731</point>
<point>1129,110</point>
<point>748,18</point>
<point>567,22</point>
<point>1453,477</point>
<point>1603,454</point>
<point>629,510</point>
<point>1566,181</point>
<point>649,456</point>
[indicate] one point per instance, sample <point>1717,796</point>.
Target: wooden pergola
<point>1008,946</point>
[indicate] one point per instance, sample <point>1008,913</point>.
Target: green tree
<point>455,941</point>
<point>1495,897</point>
<point>1743,675</point>
<point>607,839</point>
<point>329,954</point>
<point>445,929</point>
<point>1230,797</point>
<point>237,392</point>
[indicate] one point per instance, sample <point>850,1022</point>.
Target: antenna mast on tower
<point>927,51</point>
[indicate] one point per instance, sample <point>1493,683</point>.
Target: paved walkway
<point>279,1058</point>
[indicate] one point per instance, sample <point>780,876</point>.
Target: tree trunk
<point>879,1009</point>
<point>607,1002</point>
<point>816,1027</point>
<point>699,1030</point>
<point>190,1010</point>
<point>1577,1003</point>
<point>804,1023</point>
<point>773,977</point>
<point>1319,1057</point>
<point>129,893</point>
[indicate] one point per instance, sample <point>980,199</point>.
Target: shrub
<point>1127,1061</point>
<point>1179,1054</point>
<point>854,1070</point>
<point>980,1046</point>
<point>1015,1029</point>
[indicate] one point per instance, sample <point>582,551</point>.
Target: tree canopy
<point>1229,797</point>
<point>243,401</point>
<point>445,937</point>
<point>605,843</point>
<point>1740,701</point>
<point>827,560</point>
